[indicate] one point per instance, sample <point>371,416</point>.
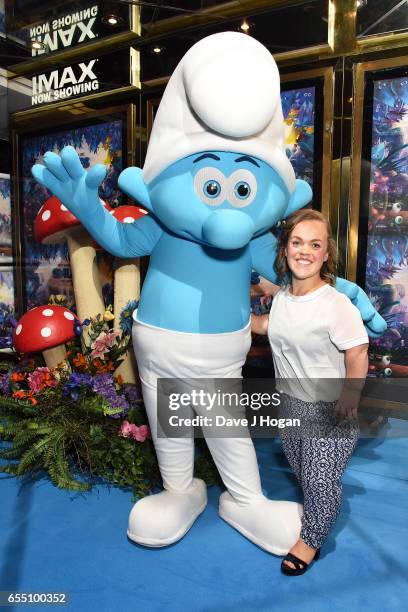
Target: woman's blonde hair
<point>328,271</point>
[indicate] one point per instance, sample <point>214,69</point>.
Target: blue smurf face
<point>219,199</point>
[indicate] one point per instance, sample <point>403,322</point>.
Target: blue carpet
<point>52,540</point>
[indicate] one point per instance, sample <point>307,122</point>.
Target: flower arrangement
<point>78,420</point>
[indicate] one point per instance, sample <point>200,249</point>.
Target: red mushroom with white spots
<point>45,329</point>
<point>55,223</point>
<point>126,284</point>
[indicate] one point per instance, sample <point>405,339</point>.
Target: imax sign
<point>65,31</point>
<point>64,83</point>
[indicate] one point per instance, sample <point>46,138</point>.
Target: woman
<point>315,334</point>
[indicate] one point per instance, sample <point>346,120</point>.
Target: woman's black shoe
<point>300,566</point>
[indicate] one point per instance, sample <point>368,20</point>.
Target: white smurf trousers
<point>163,353</point>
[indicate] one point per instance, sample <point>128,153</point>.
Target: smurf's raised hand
<point>373,321</point>
<point>68,180</point>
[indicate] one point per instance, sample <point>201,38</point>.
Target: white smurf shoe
<point>272,525</point>
<point>164,518</point>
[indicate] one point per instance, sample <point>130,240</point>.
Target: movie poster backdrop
<point>6,258</point>
<point>298,106</point>
<point>46,267</point>
<point>5,221</point>
<point>383,265</point>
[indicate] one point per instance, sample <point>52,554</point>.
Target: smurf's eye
<point>242,190</point>
<point>209,185</point>
<point>212,189</point>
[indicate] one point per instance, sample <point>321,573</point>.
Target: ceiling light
<point>245,26</point>
<point>111,19</point>
<point>37,45</point>
<point>157,49</point>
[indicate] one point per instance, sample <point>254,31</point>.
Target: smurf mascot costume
<point>216,178</point>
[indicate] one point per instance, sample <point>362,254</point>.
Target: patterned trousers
<point>318,453</point>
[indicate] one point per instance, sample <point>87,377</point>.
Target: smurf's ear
<point>299,198</point>
<point>131,182</point>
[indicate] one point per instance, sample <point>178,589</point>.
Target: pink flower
<point>41,378</point>
<point>126,429</point>
<point>103,344</point>
<point>139,434</point>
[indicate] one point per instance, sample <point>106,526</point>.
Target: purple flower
<point>103,385</point>
<point>4,384</point>
<point>81,379</point>
<point>75,382</point>
<point>132,393</point>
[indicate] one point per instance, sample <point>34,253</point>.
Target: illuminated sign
<point>63,32</point>
<point>64,83</point>
<point>109,72</point>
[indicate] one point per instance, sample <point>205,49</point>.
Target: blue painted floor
<point>53,540</point>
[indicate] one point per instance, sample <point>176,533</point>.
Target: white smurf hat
<point>224,95</point>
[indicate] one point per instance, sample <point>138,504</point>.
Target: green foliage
<point>67,439</point>
<point>54,420</point>
<point>123,462</point>
<point>75,440</point>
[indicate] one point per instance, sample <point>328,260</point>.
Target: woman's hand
<point>265,288</point>
<point>259,324</point>
<point>347,406</point>
<point>356,362</point>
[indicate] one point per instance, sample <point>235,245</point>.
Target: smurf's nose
<point>228,229</point>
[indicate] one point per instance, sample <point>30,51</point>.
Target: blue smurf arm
<point>78,189</point>
<point>373,321</point>
<point>263,252</point>
<point>123,239</point>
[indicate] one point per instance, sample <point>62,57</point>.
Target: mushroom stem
<point>54,356</point>
<point>126,288</point>
<point>85,277</point>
